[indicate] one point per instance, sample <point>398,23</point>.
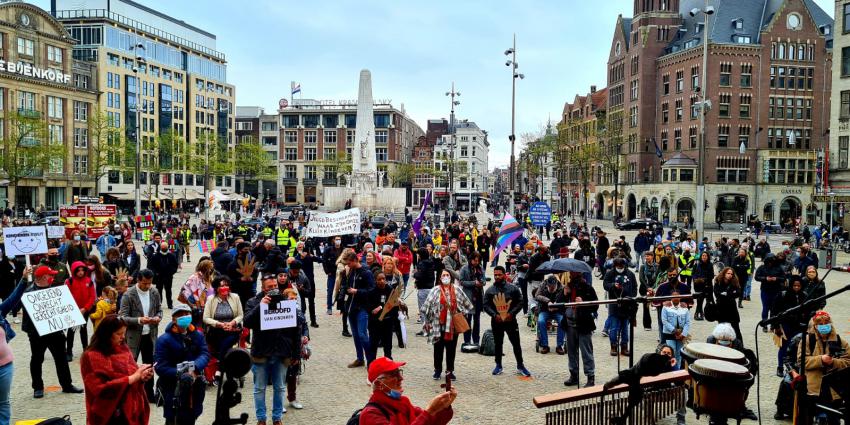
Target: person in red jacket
<point>83,290</point>
<point>404,260</point>
<point>388,406</point>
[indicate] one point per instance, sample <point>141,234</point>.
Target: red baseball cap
<point>43,271</point>
<point>382,365</point>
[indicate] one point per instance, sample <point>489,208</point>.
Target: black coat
<point>533,263</point>
<point>629,286</point>
<point>164,266</point>
<point>284,343</point>
<point>221,259</point>
<point>727,308</point>
<point>425,274</point>
<point>770,270</point>
<point>584,321</point>
<point>705,272</point>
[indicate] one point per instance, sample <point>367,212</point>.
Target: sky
<point>415,50</point>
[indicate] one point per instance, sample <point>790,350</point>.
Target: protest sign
<point>52,310</point>
<point>73,217</point>
<point>55,232</point>
<point>540,213</point>
<point>25,240</point>
<point>97,219</point>
<point>283,316</point>
<point>143,221</point>
<point>322,225</point>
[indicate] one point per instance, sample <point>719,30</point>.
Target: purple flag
<point>417,225</point>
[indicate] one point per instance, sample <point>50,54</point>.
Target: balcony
<point>310,182</point>
<point>290,181</point>
<point>329,182</point>
<point>29,113</point>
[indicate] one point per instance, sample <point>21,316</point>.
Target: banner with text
<point>322,225</point>
<point>98,217</point>
<point>25,240</point>
<point>55,232</point>
<point>73,217</point>
<point>52,310</point>
<point>282,316</point>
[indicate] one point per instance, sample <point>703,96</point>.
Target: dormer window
<point>738,24</point>
<point>825,29</point>
<point>742,39</point>
<point>691,43</point>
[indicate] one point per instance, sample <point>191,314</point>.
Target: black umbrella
<point>564,265</point>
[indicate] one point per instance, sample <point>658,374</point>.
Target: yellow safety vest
<point>282,237</point>
<point>267,232</point>
<point>685,270</point>
<point>146,235</point>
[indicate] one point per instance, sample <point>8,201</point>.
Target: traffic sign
<point>540,213</point>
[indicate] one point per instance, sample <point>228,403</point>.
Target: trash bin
<point>826,258</point>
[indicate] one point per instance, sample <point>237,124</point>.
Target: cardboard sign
<point>324,225</point>
<point>52,310</point>
<point>55,232</point>
<point>25,240</point>
<point>284,316</point>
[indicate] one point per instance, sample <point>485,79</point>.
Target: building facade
<point>316,138</point>
<point>45,99</point>
<point>768,85</point>
<point>160,79</point>
<point>423,157</point>
<point>836,161</point>
<point>254,125</point>
<point>461,159</point>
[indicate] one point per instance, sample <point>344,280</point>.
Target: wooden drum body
<point>719,387</point>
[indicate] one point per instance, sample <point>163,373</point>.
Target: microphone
<point>845,269</point>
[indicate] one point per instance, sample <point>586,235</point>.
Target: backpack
<point>355,417</point>
<point>64,420</point>
<point>488,344</point>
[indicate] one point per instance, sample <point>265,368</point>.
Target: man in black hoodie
<point>220,257</point>
<point>506,324</point>
<point>164,265</point>
<point>602,245</point>
<point>620,282</point>
<point>243,272</point>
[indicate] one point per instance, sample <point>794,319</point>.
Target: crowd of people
<point>368,277</point>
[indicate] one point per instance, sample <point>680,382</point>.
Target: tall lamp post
<point>705,105</point>
<point>512,63</point>
<point>140,61</point>
<point>452,130</point>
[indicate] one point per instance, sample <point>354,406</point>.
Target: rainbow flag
<point>206,246</point>
<point>509,231</point>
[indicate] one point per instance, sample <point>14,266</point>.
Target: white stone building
<point>467,149</point>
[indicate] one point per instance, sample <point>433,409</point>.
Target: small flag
<point>658,152</point>
<point>296,87</point>
<point>205,246</point>
<point>509,231</point>
<point>417,225</point>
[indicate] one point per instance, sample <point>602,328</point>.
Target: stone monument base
<point>383,199</point>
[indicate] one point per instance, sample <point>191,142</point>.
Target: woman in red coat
<point>115,391</point>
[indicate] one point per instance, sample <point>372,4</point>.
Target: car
<point>637,224</point>
<point>52,220</point>
<point>254,222</point>
<point>771,226</point>
<point>378,222</point>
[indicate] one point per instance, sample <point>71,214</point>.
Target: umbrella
<point>564,265</point>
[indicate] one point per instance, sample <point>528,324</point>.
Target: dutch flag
<point>296,87</point>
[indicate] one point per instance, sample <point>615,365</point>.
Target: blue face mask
<point>825,329</point>
<point>184,322</point>
<point>391,393</point>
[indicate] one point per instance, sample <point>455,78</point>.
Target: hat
<point>268,276</point>
<point>44,271</point>
<point>295,265</point>
<point>382,365</point>
<point>178,307</point>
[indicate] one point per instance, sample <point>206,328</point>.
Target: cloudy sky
<point>415,50</point>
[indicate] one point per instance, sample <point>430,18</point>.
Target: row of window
<point>330,120</point>
<point>792,51</point>
<point>792,78</point>
<point>311,154</point>
<point>746,78</point>
<point>329,137</point>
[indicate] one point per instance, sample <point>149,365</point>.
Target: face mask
<point>49,281</point>
<point>528,252</point>
<point>337,243</point>
<point>391,393</point>
<point>224,291</point>
<point>53,257</point>
<point>724,342</point>
<point>77,238</point>
<point>368,249</point>
<point>824,329</point>
<point>183,322</point>
<point>446,280</point>
<point>620,269</point>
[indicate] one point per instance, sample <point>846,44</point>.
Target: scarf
<point>402,411</point>
<point>447,305</point>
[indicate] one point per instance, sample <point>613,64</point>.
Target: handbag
<point>459,323</point>
<point>709,312</point>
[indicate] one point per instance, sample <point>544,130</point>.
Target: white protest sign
<point>55,232</point>
<point>322,225</point>
<point>52,309</point>
<point>25,240</point>
<point>281,317</point>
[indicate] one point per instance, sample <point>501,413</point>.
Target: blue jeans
<point>768,297</point>
<point>619,327</point>
<point>6,372</point>
<point>474,333</point>
<point>331,284</point>
<point>542,321</point>
<point>274,368</point>
<point>359,321</point>
<point>748,287</point>
<point>676,345</point>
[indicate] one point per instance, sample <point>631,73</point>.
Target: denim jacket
<point>8,305</point>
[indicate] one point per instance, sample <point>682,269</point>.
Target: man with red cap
<point>55,342</point>
<point>388,406</point>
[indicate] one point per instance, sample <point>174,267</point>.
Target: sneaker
<point>521,370</point>
<point>314,325</point>
<point>38,394</point>
<point>437,375</point>
<point>648,329</point>
<point>451,375</point>
<point>330,312</point>
<point>497,370</point>
<point>296,404</point>
<point>346,334</point>
<point>605,333</point>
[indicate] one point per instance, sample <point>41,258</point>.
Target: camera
<point>275,295</point>
<point>185,367</point>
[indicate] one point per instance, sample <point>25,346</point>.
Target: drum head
<point>703,350</point>
<point>719,369</point>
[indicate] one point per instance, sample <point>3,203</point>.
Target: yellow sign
<point>827,198</point>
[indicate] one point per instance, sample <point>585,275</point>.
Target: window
<point>349,137</point>
<point>694,77</point>
<point>723,136</point>
<point>382,136</point>
<point>81,138</point>
<point>633,116</point>
<point>290,172</point>
<point>726,74</point>
<point>790,171</point>
<point>464,151</point>
<point>664,140</point>
<point>56,134</point>
<point>330,121</point>
<point>745,105</point>
<point>311,121</point>
<point>309,154</point>
<point>692,137</point>
<point>244,126</point>
<point>678,110</point>
<point>290,137</point>
<point>26,100</point>
<point>677,138</point>
<point>270,140</point>
<point>635,62</point>
<point>81,111</point>
<point>329,136</point>
<point>680,81</point>
<point>329,173</point>
<point>289,121</point>
<point>744,135</point>
<point>54,107</point>
<point>665,112</point>
<point>665,82</point>
<point>290,154</point>
<point>732,169</point>
<point>310,172</point>
<point>746,75</point>
<point>329,153</point>
<point>381,154</point>
<point>310,137</point>
<point>633,90</point>
<point>694,107</point>
<point>268,126</point>
<point>81,164</point>
<point>54,54</point>
<point>723,110</point>
<point>743,39</point>
<point>843,149</point>
<point>25,46</point>
<point>382,120</point>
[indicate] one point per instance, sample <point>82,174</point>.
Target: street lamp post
<point>704,107</point>
<point>452,142</point>
<point>140,60</point>
<point>512,63</point>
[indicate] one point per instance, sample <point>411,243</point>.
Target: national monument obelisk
<point>364,186</point>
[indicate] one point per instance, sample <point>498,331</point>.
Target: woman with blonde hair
<point>395,279</point>
<point>340,295</point>
<point>437,238</point>
<point>197,289</point>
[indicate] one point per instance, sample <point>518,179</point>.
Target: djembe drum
<point>702,350</point>
<point>719,387</point>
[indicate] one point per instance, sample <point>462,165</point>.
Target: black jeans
<point>451,350</point>
<point>309,299</point>
<point>647,317</point>
<point>512,329</point>
<point>381,335</point>
<point>54,342</point>
<point>146,350</point>
<point>84,336</point>
<point>163,283</point>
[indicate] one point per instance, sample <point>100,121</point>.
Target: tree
<point>252,162</point>
<point>609,154</point>
<point>106,146</point>
<point>158,157</point>
<point>209,156</point>
<point>405,173</point>
<point>29,150</point>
